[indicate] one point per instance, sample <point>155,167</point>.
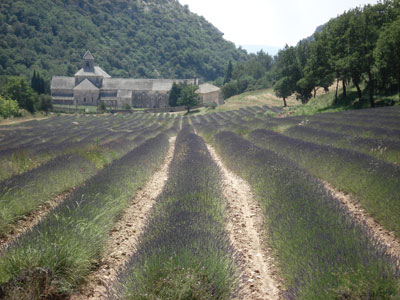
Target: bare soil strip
<point>123,239</point>
<point>383,235</point>
<point>30,220</point>
<point>259,279</point>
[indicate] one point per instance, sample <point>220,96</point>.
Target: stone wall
<point>84,97</point>
<point>215,97</point>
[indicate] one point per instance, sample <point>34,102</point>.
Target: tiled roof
<point>208,88</point>
<point>61,82</point>
<point>156,85</point>
<point>86,85</point>
<point>97,72</point>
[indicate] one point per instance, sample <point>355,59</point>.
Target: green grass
<point>21,161</point>
<point>85,108</point>
<point>326,102</point>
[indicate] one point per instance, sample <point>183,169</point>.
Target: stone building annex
<point>92,84</point>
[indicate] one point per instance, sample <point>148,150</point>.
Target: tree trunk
<point>315,92</point>
<point>398,84</point>
<point>337,87</point>
<point>371,89</point>
<point>284,102</point>
<point>344,89</point>
<point>359,94</point>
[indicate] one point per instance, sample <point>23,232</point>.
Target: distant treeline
<point>128,38</point>
<point>360,47</point>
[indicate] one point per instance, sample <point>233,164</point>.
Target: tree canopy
<point>387,52</point>
<point>359,46</point>
<point>188,96</point>
<point>128,38</point>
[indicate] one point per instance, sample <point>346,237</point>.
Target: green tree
<point>387,52</point>
<point>334,37</point>
<point>318,69</point>
<point>189,96</point>
<point>45,103</point>
<point>8,107</point>
<point>101,106</point>
<point>370,22</point>
<point>228,73</point>
<point>287,67</point>
<point>18,89</point>
<point>38,83</point>
<point>283,89</point>
<point>230,89</point>
<point>304,85</point>
<point>174,94</point>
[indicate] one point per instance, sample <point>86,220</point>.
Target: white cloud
<point>269,22</point>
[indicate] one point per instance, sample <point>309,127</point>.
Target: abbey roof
<point>62,82</point>
<point>86,85</point>
<point>97,72</point>
<point>156,85</point>
<point>207,88</point>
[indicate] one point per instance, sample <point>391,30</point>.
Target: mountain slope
<point>135,38</point>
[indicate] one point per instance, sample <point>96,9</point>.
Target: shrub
<point>211,105</point>
<point>8,108</point>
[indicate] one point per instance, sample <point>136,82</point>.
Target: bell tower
<point>88,62</point>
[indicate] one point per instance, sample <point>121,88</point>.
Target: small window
<point>84,99</point>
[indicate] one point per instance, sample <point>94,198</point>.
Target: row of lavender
<point>366,168</point>
<point>23,193</point>
<point>27,146</point>
<point>184,251</point>
<point>322,252</point>
<point>373,133</point>
<point>56,256</point>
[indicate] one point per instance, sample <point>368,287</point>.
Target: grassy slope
<point>324,102</point>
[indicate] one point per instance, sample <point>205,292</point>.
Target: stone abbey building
<point>91,84</point>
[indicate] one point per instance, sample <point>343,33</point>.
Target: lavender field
<point>70,186</point>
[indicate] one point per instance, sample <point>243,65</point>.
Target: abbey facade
<point>91,84</point>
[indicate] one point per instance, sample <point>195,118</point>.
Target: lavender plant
<point>322,252</point>
<point>375,183</point>
<point>388,150</point>
<point>70,241</point>
<point>184,252</point>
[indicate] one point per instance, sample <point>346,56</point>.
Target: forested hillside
<point>135,38</point>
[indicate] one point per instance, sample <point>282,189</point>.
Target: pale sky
<point>270,22</point>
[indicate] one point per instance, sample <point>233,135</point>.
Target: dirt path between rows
<point>123,239</point>
<point>259,279</point>
<point>30,220</point>
<point>384,236</point>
